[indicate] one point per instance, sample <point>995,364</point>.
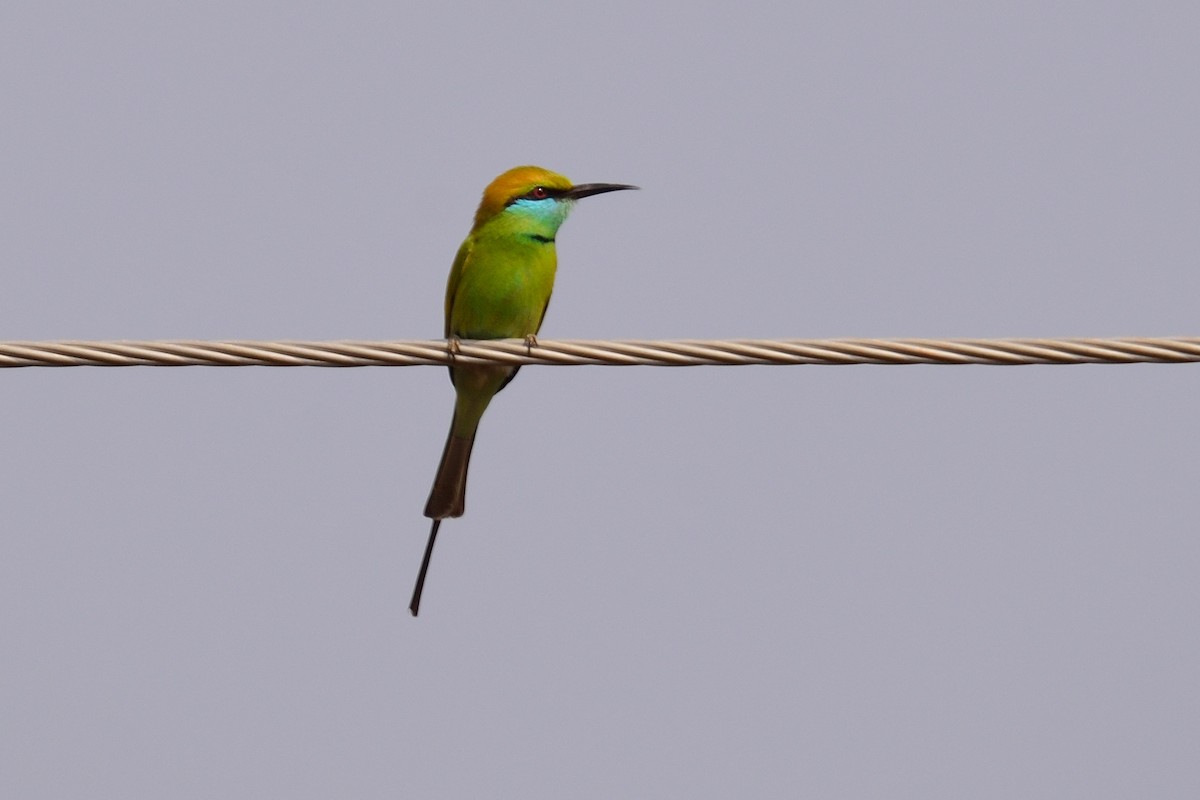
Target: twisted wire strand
<point>681,353</point>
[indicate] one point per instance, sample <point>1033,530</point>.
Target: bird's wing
<point>456,271</point>
<point>542,317</point>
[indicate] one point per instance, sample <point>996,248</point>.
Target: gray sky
<point>769,582</point>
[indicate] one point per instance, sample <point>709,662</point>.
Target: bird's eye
<point>539,193</point>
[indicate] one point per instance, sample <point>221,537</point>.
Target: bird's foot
<point>453,346</point>
<point>530,343</point>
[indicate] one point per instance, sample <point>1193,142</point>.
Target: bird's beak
<point>589,189</point>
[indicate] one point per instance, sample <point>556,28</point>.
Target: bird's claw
<point>530,343</point>
<point>453,346</point>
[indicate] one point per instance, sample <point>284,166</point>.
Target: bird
<point>499,288</point>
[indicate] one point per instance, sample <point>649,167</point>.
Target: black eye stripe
<point>538,193</point>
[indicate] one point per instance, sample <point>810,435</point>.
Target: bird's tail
<point>448,496</point>
<point>414,605</point>
<point>446,499</point>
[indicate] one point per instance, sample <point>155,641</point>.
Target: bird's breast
<point>503,292</point>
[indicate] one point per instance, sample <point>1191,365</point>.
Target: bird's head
<point>536,194</point>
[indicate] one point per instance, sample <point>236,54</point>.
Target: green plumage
<point>499,288</point>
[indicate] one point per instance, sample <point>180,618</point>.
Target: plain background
<point>752,582</point>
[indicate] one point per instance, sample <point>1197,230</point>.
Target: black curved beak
<point>589,189</point>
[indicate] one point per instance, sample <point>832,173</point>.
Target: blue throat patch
<point>548,214</point>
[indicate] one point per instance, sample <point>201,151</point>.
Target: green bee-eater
<point>499,288</point>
